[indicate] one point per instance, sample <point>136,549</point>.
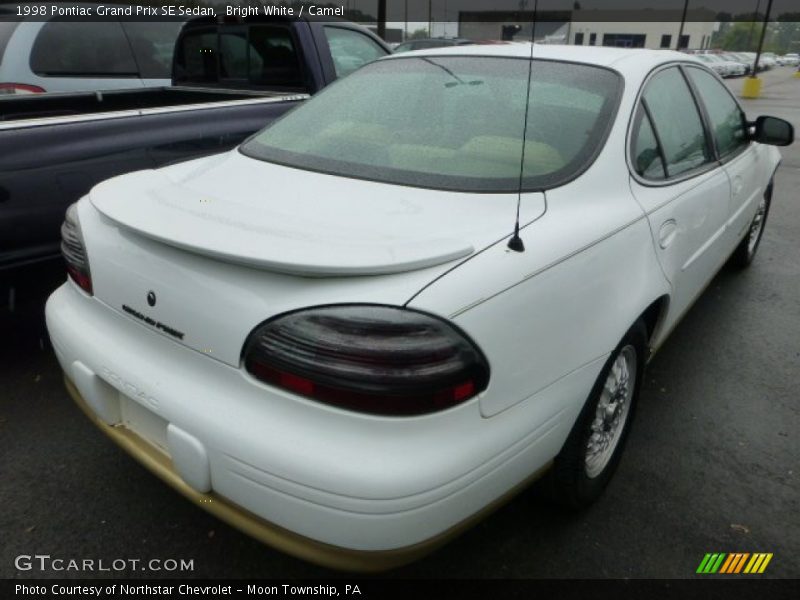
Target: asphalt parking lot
<point>711,465</point>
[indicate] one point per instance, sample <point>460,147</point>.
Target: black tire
<point>745,252</point>
<point>572,484</point>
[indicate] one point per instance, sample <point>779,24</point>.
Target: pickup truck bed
<point>55,147</point>
<point>59,155</point>
<point>32,109</point>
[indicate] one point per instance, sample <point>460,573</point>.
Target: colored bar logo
<point>734,563</point>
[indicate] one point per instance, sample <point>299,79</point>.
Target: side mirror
<point>773,131</point>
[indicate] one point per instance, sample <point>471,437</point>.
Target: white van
<point>60,55</point>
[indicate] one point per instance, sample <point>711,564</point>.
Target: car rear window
<point>450,122</point>
<point>6,29</point>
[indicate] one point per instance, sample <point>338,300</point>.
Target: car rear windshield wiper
<point>458,79</point>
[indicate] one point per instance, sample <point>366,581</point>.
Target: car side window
<point>676,122</point>
<point>727,119</point>
<point>646,154</point>
<point>351,49</point>
<point>82,49</point>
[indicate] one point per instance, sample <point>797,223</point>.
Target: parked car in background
<point>416,292</point>
<point>743,67</point>
<point>769,59</point>
<point>230,80</point>
<point>763,65</point>
<point>735,67</point>
<point>722,67</point>
<point>64,55</point>
<point>790,59</point>
<point>426,43</point>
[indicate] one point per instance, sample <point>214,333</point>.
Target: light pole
<point>763,32</point>
<point>683,20</point>
<point>752,84</point>
<point>382,19</point>
<point>753,25</point>
<point>405,16</point>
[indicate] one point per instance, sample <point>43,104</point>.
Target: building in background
<point>630,29</point>
<point>514,25</point>
<point>596,28</point>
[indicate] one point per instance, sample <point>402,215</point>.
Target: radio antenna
<point>515,243</point>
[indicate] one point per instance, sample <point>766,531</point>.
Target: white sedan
<point>434,281</point>
<point>722,66</point>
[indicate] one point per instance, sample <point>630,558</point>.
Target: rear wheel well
<point>652,315</point>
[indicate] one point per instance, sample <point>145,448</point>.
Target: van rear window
<point>80,49</point>
<point>6,29</point>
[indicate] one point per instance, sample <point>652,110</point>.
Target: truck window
<point>153,43</point>
<point>274,59</point>
<point>196,57</point>
<point>351,49</point>
<point>80,49</point>
<point>234,55</point>
<point>259,55</point>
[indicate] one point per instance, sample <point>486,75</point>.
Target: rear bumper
<point>344,490</point>
<point>273,535</point>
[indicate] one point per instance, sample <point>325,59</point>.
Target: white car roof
<point>593,55</point>
<point>598,55</point>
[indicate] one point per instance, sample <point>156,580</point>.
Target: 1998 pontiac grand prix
<point>434,281</point>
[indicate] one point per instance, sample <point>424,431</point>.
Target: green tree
<point>784,35</point>
<point>741,36</point>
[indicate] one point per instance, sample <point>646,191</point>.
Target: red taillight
<point>20,88</point>
<point>373,359</point>
<point>74,251</point>
<point>83,280</point>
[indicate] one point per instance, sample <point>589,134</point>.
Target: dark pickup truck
<point>229,80</point>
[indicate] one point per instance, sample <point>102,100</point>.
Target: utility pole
<point>683,20</point>
<point>752,84</point>
<point>405,27</point>
<point>763,33</point>
<point>382,19</point>
<point>753,25</point>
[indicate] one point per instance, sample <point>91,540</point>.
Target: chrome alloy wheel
<point>756,227</point>
<point>612,412</point>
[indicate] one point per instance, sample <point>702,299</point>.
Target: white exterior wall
<point>699,32</point>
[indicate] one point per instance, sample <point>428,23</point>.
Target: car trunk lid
<point>280,219</point>
<point>204,251</point>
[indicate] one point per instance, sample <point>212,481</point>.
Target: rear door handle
<point>737,185</point>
